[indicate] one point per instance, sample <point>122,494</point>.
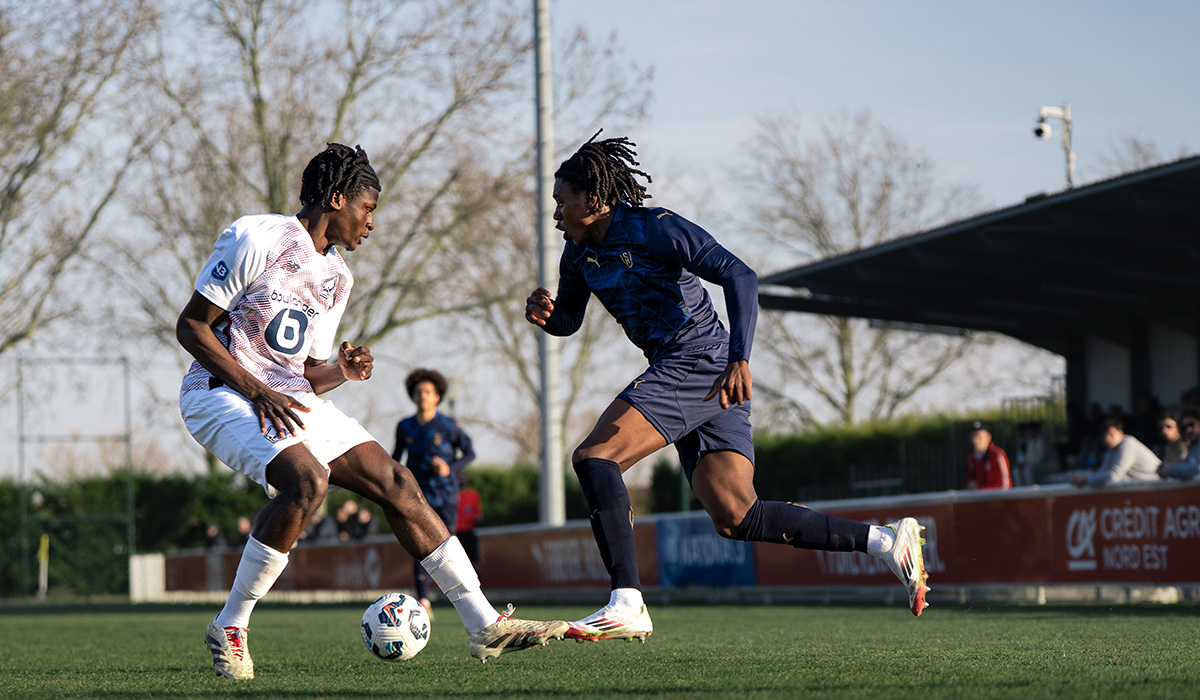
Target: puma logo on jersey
<point>665,213</point>
<point>636,382</point>
<point>592,259</point>
<point>328,287</point>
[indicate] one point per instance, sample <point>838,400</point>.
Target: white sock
<point>626,599</point>
<point>452,571</point>
<point>256,573</point>
<point>879,541</point>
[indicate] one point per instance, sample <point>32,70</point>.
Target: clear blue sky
<point>961,80</point>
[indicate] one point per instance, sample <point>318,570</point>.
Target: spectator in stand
<point>470,516</point>
<point>243,536</point>
<point>1127,459</point>
<point>367,524</point>
<point>1189,466</point>
<point>347,521</point>
<point>213,539</point>
<point>1190,397</point>
<point>321,529</point>
<point>987,465</point>
<point>1147,412</point>
<point>1172,446</point>
<point>1037,456</point>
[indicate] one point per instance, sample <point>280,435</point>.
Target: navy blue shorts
<point>668,394</point>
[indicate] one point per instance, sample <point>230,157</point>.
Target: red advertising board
<point>1135,537</point>
<point>1140,533</point>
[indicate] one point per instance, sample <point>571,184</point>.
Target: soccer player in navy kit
<point>645,267</point>
<point>438,450</point>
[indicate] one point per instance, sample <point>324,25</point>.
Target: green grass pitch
<point>718,651</point>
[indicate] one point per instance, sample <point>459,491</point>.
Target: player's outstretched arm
<point>194,331</point>
<point>733,386</point>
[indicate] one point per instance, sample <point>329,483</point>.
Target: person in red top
<point>470,516</point>
<point>987,466</point>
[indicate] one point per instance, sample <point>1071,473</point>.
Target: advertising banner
<point>691,553</point>
<point>1145,533</point>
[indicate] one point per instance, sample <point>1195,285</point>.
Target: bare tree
<point>428,88</point>
<point>439,93</point>
<point>1130,153</point>
<point>64,73</point>
<point>853,185</point>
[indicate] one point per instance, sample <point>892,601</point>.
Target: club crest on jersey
<point>328,287</point>
<point>438,439</point>
<point>220,271</point>
<point>291,266</point>
<point>627,258</point>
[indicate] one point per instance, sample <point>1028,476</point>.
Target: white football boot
<point>231,657</point>
<point>512,634</point>
<point>608,623</point>
<point>906,561</point>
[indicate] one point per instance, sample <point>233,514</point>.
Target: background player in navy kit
<point>438,450</point>
<point>645,267</point>
<point>262,324</point>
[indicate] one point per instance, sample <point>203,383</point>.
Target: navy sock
<point>420,580</point>
<point>611,518</point>
<point>802,527</point>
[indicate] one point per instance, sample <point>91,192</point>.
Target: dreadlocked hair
<point>604,170</point>
<point>337,169</point>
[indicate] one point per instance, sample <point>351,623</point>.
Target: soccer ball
<point>395,627</point>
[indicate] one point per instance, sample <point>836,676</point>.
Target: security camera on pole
<point>1042,130</point>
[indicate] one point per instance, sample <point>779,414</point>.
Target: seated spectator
<point>213,539</point>
<point>243,527</point>
<point>1039,457</point>
<point>1127,459</point>
<point>987,465</point>
<point>367,525</point>
<point>1147,411</point>
<point>1172,446</point>
<point>349,528</point>
<point>1190,397</point>
<point>321,528</point>
<point>1189,466</point>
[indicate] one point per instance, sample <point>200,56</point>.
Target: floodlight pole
<point>552,504</point>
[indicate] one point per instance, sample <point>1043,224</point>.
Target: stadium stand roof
<point>1105,259</point>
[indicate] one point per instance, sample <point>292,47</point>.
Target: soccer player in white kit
<point>262,325</point>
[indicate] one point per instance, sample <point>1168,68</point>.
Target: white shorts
<point>223,421</point>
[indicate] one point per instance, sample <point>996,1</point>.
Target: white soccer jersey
<point>285,300</point>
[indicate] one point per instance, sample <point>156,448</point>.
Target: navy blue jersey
<point>647,273</point>
<point>440,437</point>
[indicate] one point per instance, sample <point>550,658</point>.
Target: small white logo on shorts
<point>272,435</point>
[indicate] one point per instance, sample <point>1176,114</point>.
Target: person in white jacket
<point>1127,459</point>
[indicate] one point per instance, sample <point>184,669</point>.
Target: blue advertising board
<point>691,553</point>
